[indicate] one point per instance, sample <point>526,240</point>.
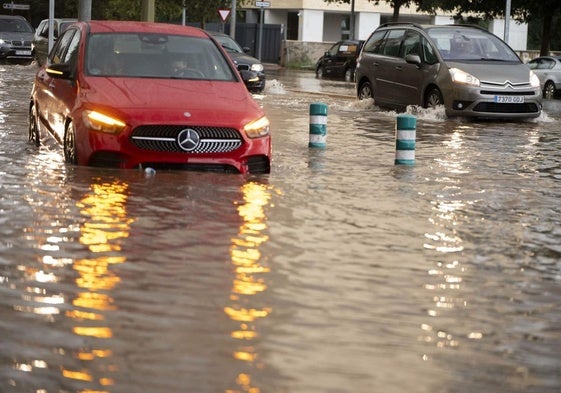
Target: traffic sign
<point>224,14</point>
<point>262,3</point>
<point>15,6</point>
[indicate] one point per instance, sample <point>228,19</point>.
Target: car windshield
<point>229,44</point>
<point>156,56</point>
<point>14,26</point>
<point>457,44</point>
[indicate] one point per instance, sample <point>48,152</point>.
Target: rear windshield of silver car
<point>457,44</point>
<point>156,56</point>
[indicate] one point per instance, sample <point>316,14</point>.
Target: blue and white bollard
<point>318,125</point>
<point>405,134</point>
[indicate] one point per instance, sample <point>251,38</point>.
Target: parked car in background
<point>339,60</point>
<point>243,61</point>
<point>40,43</point>
<point>15,39</point>
<point>138,94</point>
<point>548,70</point>
<point>465,68</point>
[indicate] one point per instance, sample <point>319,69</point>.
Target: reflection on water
<point>446,280</point>
<point>250,271</point>
<point>84,284</point>
<point>338,272</point>
<point>103,230</point>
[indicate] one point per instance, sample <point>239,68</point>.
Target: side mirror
<point>62,71</point>
<point>413,59</point>
<point>246,49</point>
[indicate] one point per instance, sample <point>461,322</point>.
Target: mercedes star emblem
<point>188,139</point>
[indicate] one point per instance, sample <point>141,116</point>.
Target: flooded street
<point>338,272</point>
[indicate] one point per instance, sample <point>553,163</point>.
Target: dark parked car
<point>40,44</point>
<point>138,94</point>
<point>467,69</point>
<point>243,61</point>
<point>15,39</point>
<point>548,69</point>
<point>339,60</point>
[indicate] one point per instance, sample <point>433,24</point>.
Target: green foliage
<point>201,11</point>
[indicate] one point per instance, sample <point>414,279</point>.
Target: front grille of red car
<point>164,138</point>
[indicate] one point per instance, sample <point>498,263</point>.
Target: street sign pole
<point>51,24</point>
<point>261,5</point>
<point>260,34</point>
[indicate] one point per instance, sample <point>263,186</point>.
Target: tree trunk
<point>396,6</point>
<point>546,33</point>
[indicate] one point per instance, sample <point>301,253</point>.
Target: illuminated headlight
<point>2,42</point>
<point>459,76</point>
<point>257,67</point>
<point>257,128</point>
<point>534,80</point>
<point>99,122</point>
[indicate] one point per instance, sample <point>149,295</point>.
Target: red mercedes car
<point>141,94</point>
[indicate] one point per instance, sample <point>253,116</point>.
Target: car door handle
<point>399,68</point>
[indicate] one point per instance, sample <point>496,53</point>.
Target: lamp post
<point>352,21</point>
<point>507,19</point>
<point>233,21</point>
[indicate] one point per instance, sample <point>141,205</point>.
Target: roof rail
<point>400,23</point>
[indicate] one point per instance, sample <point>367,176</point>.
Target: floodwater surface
<point>338,272</point>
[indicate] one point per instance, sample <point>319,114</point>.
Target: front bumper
<point>252,156</point>
<point>256,86</point>
<point>16,53</point>
<point>490,103</point>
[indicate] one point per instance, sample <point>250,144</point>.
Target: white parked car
<point>548,69</point>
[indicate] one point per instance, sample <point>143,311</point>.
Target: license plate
<point>23,53</point>
<point>509,99</point>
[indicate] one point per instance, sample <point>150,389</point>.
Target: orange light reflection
<point>249,278</point>
<point>107,224</point>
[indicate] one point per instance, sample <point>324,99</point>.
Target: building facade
<point>309,25</point>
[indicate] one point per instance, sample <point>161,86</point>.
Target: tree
<point>521,10</point>
<point>395,4</point>
<point>166,10</point>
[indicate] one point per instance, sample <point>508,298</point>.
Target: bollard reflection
<point>249,281</point>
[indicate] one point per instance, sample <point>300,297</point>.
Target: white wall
<point>310,26</point>
<point>332,27</point>
<point>517,33</point>
<point>276,17</point>
<point>365,24</point>
<point>442,20</point>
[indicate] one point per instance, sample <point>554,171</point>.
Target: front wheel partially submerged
<point>69,144</point>
<point>364,91</point>
<point>349,74</point>
<point>433,98</point>
<point>34,127</point>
